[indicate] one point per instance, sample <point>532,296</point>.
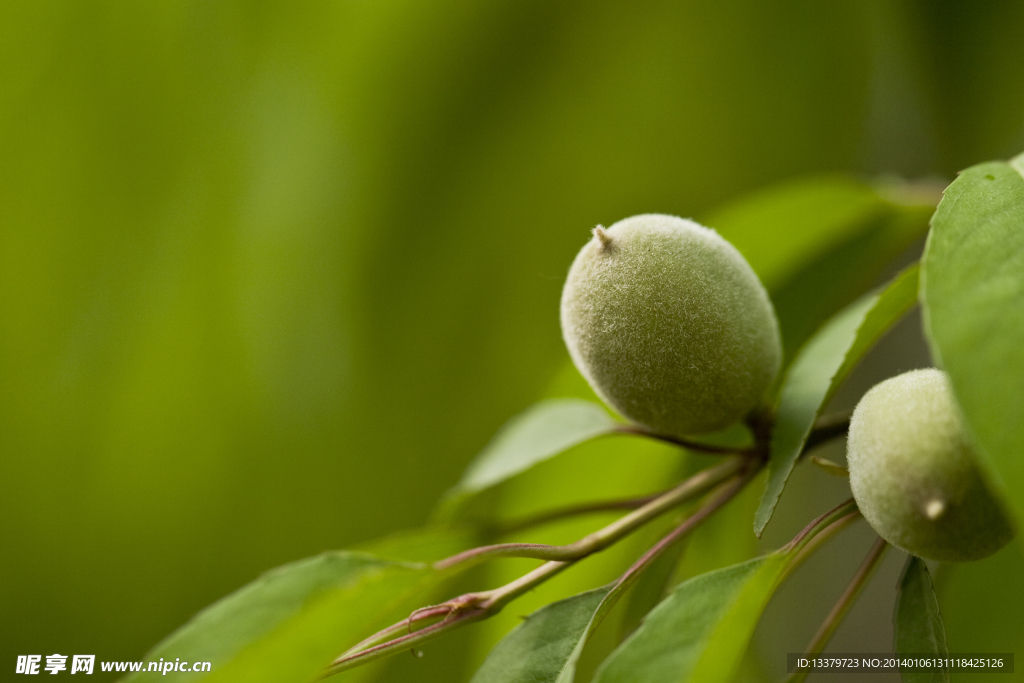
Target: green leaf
<point>547,645</point>
<point>981,605</point>
<point>652,586</point>
<point>699,633</point>
<point>783,227</point>
<point>257,624</point>
<point>725,538</point>
<point>917,622</point>
<point>838,278</point>
<point>292,621</point>
<point>541,432</point>
<point>972,285</point>
<point>817,244</point>
<point>817,372</point>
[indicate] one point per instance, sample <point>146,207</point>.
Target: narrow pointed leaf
<point>819,369</point>
<point>652,586</point>
<point>917,622</point>
<point>547,645</point>
<point>972,286</point>
<point>541,432</point>
<point>699,632</point>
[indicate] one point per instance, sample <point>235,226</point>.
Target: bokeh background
<point>272,273</point>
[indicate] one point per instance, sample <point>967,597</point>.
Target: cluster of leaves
<point>290,624</point>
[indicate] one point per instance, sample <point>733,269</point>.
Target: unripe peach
<point>670,325</point>
<point>913,472</point>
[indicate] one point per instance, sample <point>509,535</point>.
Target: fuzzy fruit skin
<point>670,325</point>
<point>913,473</point>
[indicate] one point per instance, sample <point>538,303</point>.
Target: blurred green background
<point>272,273</point>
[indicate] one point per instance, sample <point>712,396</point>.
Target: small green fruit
<point>670,325</point>
<point>913,473</point>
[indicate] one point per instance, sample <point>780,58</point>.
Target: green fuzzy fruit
<point>913,473</point>
<point>670,325</point>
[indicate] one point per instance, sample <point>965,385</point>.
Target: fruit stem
<point>820,537</point>
<point>475,606</point>
<point>826,428</point>
<point>720,497</point>
<point>727,492</point>
<point>809,532</point>
<point>571,511</point>
<point>684,443</point>
<point>843,605</point>
<point>599,540</point>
